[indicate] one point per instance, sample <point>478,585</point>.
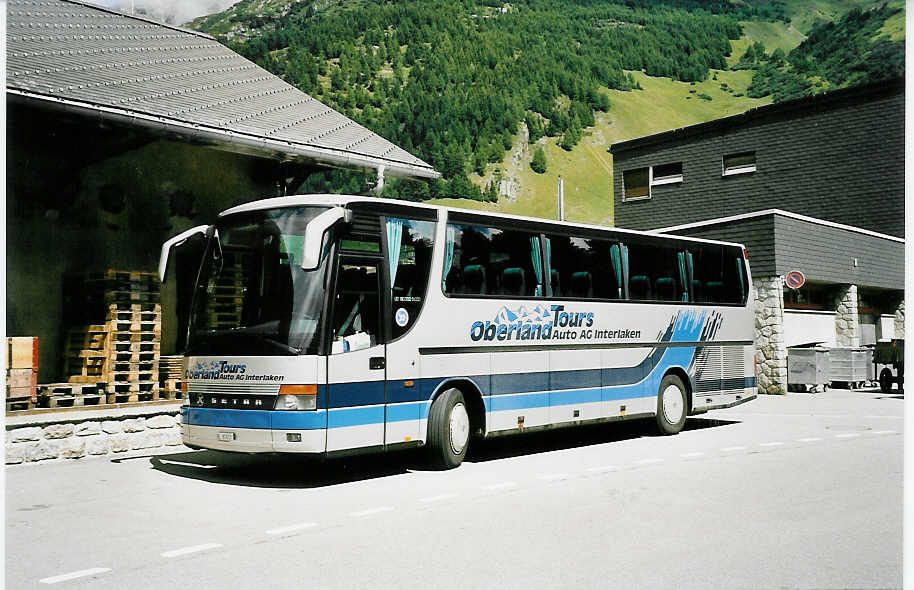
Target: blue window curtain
<point>742,284</point>
<point>549,257</point>
<point>624,257</point>
<point>618,255</point>
<point>685,272</point>
<point>394,239</point>
<point>537,257</point>
<point>451,236</point>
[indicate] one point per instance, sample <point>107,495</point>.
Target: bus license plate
<point>226,436</point>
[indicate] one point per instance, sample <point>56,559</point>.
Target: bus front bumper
<point>252,431</point>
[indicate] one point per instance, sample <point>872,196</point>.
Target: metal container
<point>849,365</point>
<point>870,366</point>
<point>808,368</point>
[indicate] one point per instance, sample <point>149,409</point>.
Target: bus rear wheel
<point>672,405</point>
<point>448,430</point>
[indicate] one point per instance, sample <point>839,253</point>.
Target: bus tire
<point>672,405</point>
<point>885,380</point>
<point>448,430</point>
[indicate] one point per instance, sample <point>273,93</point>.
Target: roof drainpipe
<point>380,186</point>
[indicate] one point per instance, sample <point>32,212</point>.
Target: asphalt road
<point>800,491</point>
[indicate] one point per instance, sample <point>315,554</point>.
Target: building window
<point>666,174</point>
<point>636,184</point>
<point>741,163</point>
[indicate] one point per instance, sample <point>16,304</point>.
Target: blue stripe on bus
<point>515,382</point>
<point>301,420</point>
<point>357,393</point>
<point>405,412</point>
<point>498,403</point>
<point>574,379</point>
<point>342,418</point>
<point>357,416</point>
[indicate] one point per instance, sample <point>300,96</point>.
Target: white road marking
<point>194,549</point>
<point>648,461</point>
<point>691,455</point>
<point>370,511</point>
<point>602,468</point>
<point>552,476</point>
<point>74,575</point>
<point>809,439</point>
<point>500,486</point>
<point>188,464</point>
<point>292,527</point>
<point>438,498</point>
<point>771,444</point>
<point>887,417</point>
<point>726,449</point>
<point>848,435</point>
<point>884,432</point>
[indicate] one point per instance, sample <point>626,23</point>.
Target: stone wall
<point>847,318</point>
<point>770,348</point>
<point>98,436</point>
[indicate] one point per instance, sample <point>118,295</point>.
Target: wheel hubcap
<point>459,428</point>
<point>672,404</point>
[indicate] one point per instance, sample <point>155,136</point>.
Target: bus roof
<point>345,200</point>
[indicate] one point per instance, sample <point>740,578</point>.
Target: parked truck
<point>891,354</point>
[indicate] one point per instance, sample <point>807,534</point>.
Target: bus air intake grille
<point>233,388</point>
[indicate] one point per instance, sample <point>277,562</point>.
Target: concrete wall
<point>804,327</point>
<point>86,434</point>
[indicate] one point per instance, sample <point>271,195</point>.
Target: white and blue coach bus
<point>329,324</point>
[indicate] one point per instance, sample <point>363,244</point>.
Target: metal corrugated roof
<point>85,56</point>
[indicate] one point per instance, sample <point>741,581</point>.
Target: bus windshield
<point>252,296</point>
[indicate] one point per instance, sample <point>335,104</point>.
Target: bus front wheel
<point>448,430</point>
<point>672,405</point>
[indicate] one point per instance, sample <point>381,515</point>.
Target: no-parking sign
<point>795,279</point>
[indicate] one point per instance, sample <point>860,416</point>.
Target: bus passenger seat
<point>556,283</point>
<point>639,287</point>
<point>453,283</point>
<point>512,281</point>
<point>714,291</point>
<point>581,285</point>
<point>666,289</point>
<point>474,276</point>
<point>695,293</point>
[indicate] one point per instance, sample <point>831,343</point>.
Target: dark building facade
<point>838,156</point>
<point>815,185</point>
<point>123,132</point>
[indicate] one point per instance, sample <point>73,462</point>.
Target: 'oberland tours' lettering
<point>563,326</point>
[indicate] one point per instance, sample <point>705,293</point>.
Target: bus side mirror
<point>177,241</point>
<point>314,235</point>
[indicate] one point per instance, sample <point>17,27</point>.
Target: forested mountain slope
<point>478,87</point>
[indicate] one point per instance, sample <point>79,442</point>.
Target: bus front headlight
<point>296,397</point>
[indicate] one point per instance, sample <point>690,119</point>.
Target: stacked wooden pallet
<point>171,374</point>
<point>119,349</point>
<point>66,395</point>
<point>21,362</point>
<point>227,294</point>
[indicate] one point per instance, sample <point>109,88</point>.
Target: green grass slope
<point>587,170</point>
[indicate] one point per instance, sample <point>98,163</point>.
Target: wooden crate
<point>21,352</point>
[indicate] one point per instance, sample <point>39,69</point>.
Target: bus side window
<point>654,273</point>
<point>411,243</point>
<point>708,274</point>
<point>582,268</point>
<point>482,260</point>
<point>356,315</point>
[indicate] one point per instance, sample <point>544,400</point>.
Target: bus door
<point>356,366</point>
